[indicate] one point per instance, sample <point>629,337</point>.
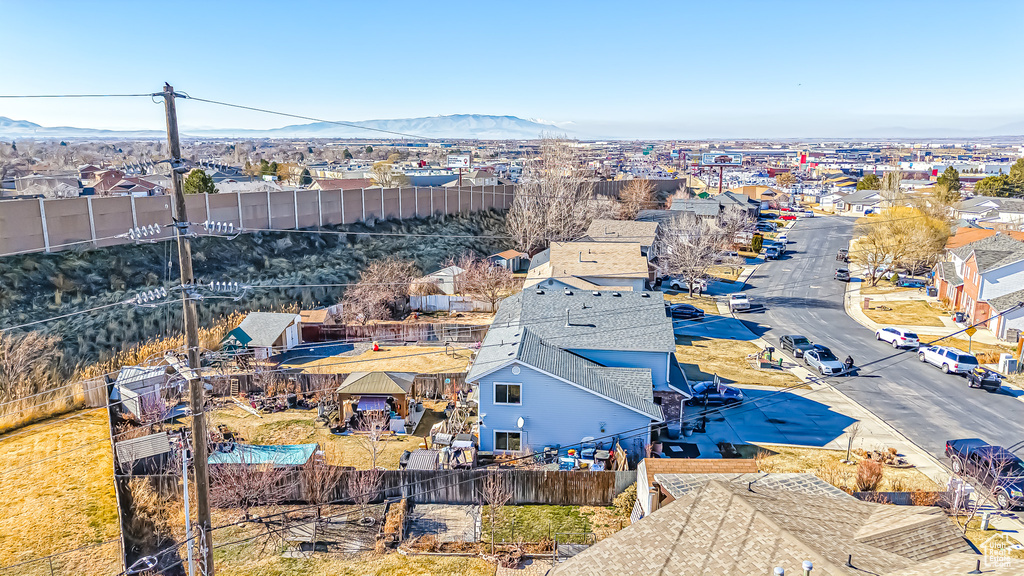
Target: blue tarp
<point>278,455</point>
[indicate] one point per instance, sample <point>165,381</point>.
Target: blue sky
<point>599,69</point>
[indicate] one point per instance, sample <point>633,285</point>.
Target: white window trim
<point>494,437</point>
<point>494,393</point>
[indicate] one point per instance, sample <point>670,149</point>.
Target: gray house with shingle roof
<point>725,528</point>
<point>558,366</point>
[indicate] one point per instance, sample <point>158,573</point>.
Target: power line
<point>301,117</point>
<point>77,95</point>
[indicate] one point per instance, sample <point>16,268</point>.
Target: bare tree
<point>689,248</point>
<point>364,486</point>
<point>385,175</point>
<point>320,477</point>
<point>382,289</point>
<point>635,196</point>
<point>483,281</point>
<point>247,484</point>
<point>554,200</point>
<point>899,236</point>
<point>372,433</point>
<point>496,491</point>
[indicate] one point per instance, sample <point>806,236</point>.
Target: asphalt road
<point>917,399</point>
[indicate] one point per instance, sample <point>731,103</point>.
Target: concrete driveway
<point>769,417</point>
<point>713,326</point>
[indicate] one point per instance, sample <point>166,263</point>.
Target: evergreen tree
<point>346,154</point>
<point>199,182</point>
<point>869,182</point>
<point>950,179</point>
<point>305,179</point>
<point>369,149</point>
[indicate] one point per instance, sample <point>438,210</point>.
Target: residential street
<point>917,399</point>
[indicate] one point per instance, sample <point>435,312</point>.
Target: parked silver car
<point>823,360</point>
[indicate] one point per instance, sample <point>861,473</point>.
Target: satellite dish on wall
<point>520,422</point>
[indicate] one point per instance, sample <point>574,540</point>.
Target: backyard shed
<point>265,333</point>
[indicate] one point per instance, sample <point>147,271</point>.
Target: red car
<point>787,217</point>
<point>786,209</point>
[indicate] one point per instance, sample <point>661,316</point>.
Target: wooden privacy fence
<point>402,332</point>
<point>438,385</point>
<point>557,488</point>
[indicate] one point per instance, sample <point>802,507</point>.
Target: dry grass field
<point>827,465</point>
<point>298,427</point>
<point>906,313</point>
<point>62,502</point>
<point>702,358</point>
<point>419,359</point>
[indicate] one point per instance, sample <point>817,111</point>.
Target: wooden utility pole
<point>195,382</point>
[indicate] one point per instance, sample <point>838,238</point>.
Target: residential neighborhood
<point>484,319</point>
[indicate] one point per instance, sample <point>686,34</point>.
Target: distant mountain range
<point>468,126</point>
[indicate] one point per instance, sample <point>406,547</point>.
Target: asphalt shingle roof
<point>623,231</point>
<point>947,271</point>
<point>263,328</point>
<point>993,252</point>
<point>581,320</point>
<point>1006,301</point>
<point>727,528</point>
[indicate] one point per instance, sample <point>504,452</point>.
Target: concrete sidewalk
<point>853,300</point>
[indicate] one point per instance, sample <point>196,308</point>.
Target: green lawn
<point>538,523</point>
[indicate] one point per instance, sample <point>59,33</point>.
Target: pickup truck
<point>994,467</point>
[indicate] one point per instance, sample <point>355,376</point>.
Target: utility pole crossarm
<point>200,437</point>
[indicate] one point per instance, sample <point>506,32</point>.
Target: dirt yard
<point>419,359</point>
<point>702,358</point>
<point>298,427</point>
<point>62,502</point>
<point>827,465</point>
<point>906,313</point>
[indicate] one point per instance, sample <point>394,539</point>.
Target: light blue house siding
<point>657,362</point>
<point>554,412</point>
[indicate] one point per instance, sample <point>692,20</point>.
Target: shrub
<point>832,472</point>
<point>624,502</point>
<point>869,475</point>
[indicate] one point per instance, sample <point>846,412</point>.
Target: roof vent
<point>568,292</point>
<point>596,293</point>
<point>645,295</point>
<point>567,323</point>
<point>540,291</point>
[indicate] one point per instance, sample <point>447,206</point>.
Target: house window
<point>505,393</point>
<point>508,441</point>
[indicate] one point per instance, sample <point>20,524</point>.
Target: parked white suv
<point>898,337</point>
<point>738,302</point>
<point>951,360</point>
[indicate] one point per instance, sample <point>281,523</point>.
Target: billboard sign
<point>721,159</point>
<point>458,161</point>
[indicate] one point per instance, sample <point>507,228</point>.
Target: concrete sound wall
<point>39,225</point>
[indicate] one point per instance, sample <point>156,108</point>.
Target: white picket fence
<point>445,303</point>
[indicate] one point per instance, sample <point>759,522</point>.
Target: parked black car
<point>798,344</point>
<point>685,312</point>
<point>995,467</point>
<point>985,379</point>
